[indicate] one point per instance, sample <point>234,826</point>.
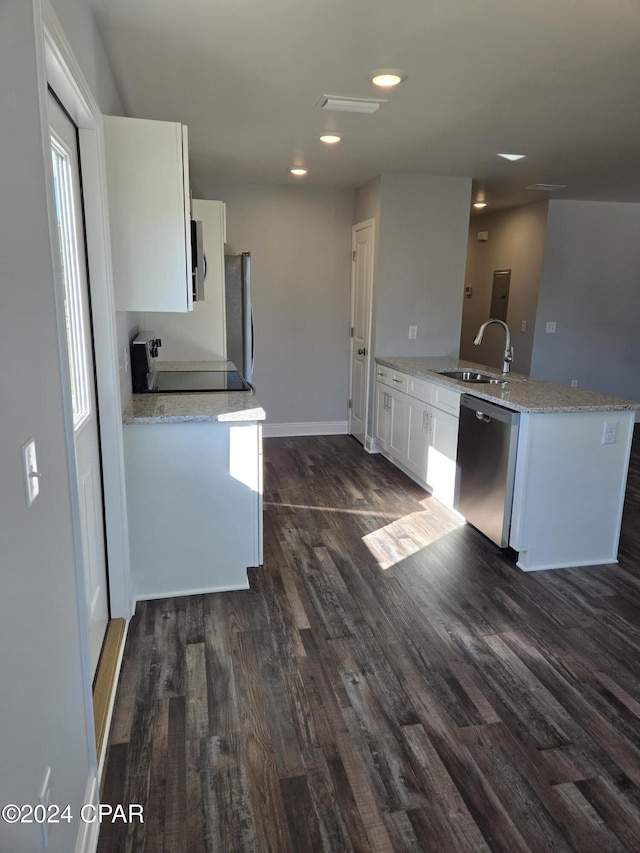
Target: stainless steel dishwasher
<point>487,443</point>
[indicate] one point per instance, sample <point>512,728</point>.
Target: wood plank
<point>197,725</point>
<point>257,749</point>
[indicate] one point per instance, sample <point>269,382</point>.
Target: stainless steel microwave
<point>198,261</point>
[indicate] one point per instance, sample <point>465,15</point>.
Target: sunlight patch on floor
<point>405,536</point>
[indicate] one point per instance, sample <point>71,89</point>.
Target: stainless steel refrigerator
<point>239,315</point>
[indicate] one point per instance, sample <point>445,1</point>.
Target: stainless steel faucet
<point>508,349</point>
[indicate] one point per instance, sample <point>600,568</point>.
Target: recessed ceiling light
<point>330,138</point>
<point>298,172</point>
<point>512,156</point>
<point>479,204</point>
<point>387,77</point>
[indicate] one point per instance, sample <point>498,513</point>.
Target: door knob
<point>362,351</point>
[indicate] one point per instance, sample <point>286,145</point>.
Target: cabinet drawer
<point>446,399</point>
<point>398,380</point>
<point>383,374</point>
<point>421,389</point>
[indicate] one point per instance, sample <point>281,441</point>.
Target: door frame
<point>58,68</point>
<point>354,228</point>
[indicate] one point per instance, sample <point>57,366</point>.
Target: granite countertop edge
<point>201,407</point>
<point>519,393</point>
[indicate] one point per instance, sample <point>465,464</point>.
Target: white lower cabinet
<point>398,425</point>
<point>441,455</point>
<point>418,414</point>
<point>194,497</point>
<point>418,431</point>
<point>383,416</point>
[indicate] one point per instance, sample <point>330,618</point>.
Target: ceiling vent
<point>349,105</point>
<point>547,187</point>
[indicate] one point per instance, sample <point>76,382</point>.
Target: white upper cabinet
<point>199,335</point>
<point>149,214</point>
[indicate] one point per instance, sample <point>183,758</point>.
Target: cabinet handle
<point>399,381</point>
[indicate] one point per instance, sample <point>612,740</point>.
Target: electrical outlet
<point>413,333</point>
<point>610,432</point>
<point>574,383</point>
<point>126,359</point>
<point>551,327</point>
<point>523,326</point>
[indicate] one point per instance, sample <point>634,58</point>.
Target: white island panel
<point>194,494</point>
<point>569,489</point>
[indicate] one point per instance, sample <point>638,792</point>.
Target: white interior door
<point>70,220</point>
<point>361,293</point>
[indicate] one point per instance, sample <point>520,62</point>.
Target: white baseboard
<point>370,445</point>
<point>179,593</point>
<point>314,428</point>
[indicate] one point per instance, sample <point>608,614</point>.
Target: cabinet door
<point>202,330</point>
<point>417,437</point>
<point>441,457</point>
<point>383,411</point>
<point>149,214</point>
<point>398,425</point>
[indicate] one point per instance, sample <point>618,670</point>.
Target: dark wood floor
<point>390,682</point>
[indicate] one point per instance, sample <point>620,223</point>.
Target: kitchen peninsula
<point>572,453</point>
<point>193,467</point>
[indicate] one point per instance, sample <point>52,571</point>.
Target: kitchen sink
<point>473,376</point>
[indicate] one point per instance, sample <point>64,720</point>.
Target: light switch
<point>413,333</point>
<point>31,475</point>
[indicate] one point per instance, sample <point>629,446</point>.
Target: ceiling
<point>557,80</point>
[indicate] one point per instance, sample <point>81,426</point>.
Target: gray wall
<point>421,258</point>
<point>42,715</point>
<point>516,242</point>
<point>590,287</point>
<point>300,244</point>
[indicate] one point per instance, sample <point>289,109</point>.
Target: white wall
<point>590,287</point>
<point>42,715</point>
<point>300,244</point>
<point>516,242</point>
<point>421,259</point>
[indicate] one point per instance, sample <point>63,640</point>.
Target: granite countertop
<point>200,407</point>
<point>220,406</point>
<point>521,393</point>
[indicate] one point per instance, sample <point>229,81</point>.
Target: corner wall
<point>421,260</point>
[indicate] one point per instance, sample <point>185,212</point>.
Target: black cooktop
<point>194,381</point>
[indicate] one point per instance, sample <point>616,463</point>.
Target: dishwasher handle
<point>488,412</point>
